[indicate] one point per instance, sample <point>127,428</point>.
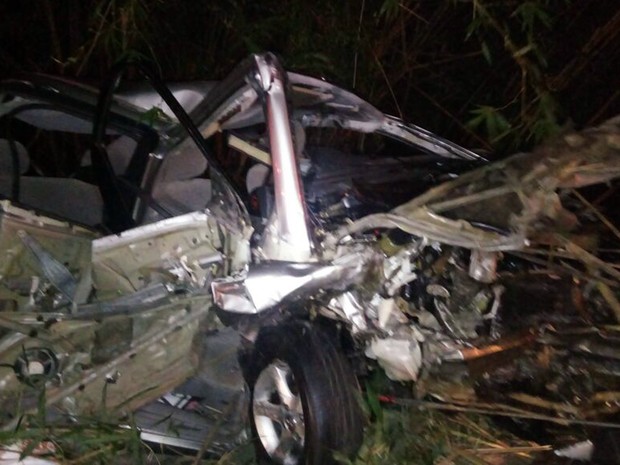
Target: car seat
<point>179,187</point>
<point>67,198</point>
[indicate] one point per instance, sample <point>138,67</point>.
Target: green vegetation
<point>496,75</point>
<point>400,435</point>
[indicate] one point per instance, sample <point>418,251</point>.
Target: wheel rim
<point>278,413</point>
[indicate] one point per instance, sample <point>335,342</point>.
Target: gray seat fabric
<point>183,196</point>
<point>67,198</point>
<point>70,199</point>
<point>6,165</point>
<point>119,152</point>
<point>189,95</point>
<point>257,176</point>
<point>6,158</point>
<point>179,187</point>
<point>185,162</point>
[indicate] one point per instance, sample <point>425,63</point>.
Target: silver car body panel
<point>289,235</point>
<point>271,283</point>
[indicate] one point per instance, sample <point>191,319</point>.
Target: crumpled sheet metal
<point>515,193</point>
<point>153,362</point>
<point>269,283</point>
<point>316,101</point>
<point>400,358</point>
<point>424,223</point>
<point>21,274</point>
<point>349,307</point>
<point>512,195</point>
<point>230,294</point>
<point>176,250</point>
<point>56,272</point>
<point>423,138</point>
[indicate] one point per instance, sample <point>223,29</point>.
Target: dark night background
<point>495,75</point>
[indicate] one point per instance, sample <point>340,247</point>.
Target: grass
<point>88,442</point>
<point>422,437</point>
<point>398,435</point>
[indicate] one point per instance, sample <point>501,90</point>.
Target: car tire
<point>305,403</point>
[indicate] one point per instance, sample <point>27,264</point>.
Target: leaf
<point>540,57</point>
<point>486,53</point>
<point>492,120</point>
<point>373,403</point>
<point>530,14</point>
<point>389,9</point>
<point>481,114</point>
<point>149,117</point>
<point>523,50</point>
<point>473,27</point>
<point>545,119</point>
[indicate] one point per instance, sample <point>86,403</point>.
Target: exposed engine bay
<point>459,273</point>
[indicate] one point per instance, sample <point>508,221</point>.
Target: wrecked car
<point>240,257</point>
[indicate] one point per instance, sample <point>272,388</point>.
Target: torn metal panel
<point>268,284</point>
<point>57,273</point>
<point>516,193</point>
<point>151,295</point>
<point>26,280</point>
<point>423,138</point>
<point>319,103</point>
<point>401,358</point>
<point>185,250</point>
<point>349,307</point>
<point>130,374</point>
<point>424,223</point>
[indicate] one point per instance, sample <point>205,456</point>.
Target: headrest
<point>256,177</point>
<point>187,162</point>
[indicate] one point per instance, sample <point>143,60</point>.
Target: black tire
<point>320,379</point>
